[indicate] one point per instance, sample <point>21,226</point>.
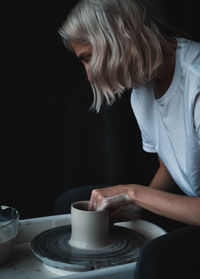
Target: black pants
<point>175,255</point>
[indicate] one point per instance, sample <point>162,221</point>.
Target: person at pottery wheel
<point>126,44</point>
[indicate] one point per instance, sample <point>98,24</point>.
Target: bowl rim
<point>16,216</point>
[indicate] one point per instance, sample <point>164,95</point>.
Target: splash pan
<point>52,248</point>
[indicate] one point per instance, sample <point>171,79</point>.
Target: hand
<point>130,212</point>
<point>112,197</point>
<point>118,200</point>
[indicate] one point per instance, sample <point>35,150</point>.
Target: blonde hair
<point>127,37</point>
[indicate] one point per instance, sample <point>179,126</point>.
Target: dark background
<point>49,139</point>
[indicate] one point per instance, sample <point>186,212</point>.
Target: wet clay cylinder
<point>89,229</point>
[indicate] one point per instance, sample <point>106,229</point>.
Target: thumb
<point>130,212</point>
<point>114,202</point>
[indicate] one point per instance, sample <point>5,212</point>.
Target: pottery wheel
<point>52,248</point>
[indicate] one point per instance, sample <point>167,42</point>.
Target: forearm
<point>180,208</point>
<point>162,180</point>
<point>155,198</point>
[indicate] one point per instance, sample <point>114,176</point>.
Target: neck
<point>164,75</point>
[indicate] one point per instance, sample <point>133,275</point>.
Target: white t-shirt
<point>170,126</point>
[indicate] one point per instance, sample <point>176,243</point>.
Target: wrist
<point>133,192</point>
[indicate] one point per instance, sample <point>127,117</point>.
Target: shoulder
<point>189,60</point>
<point>143,104</point>
<point>189,55</point>
<point>142,96</point>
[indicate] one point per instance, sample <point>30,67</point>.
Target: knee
<point>151,263</point>
<point>64,201</point>
<point>166,256</point>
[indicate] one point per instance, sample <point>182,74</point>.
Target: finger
<point>114,202</point>
<point>116,215</point>
<point>129,212</point>
<point>92,205</point>
<point>94,200</point>
<point>103,205</point>
<point>91,202</point>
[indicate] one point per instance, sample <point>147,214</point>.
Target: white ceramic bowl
<point>9,219</point>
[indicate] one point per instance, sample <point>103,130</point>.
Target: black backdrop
<point>50,140</point>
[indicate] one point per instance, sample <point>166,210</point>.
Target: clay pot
<point>90,229</point>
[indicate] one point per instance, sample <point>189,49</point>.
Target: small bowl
<point>9,220</point>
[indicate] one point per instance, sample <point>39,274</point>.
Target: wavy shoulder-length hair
<point>128,38</point>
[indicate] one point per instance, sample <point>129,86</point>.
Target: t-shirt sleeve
<point>136,105</point>
<point>197,115</point>
<point>146,144</point>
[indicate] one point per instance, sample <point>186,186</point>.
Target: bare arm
<point>178,207</point>
<point>155,198</point>
<point>181,208</point>
<point>162,180</point>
